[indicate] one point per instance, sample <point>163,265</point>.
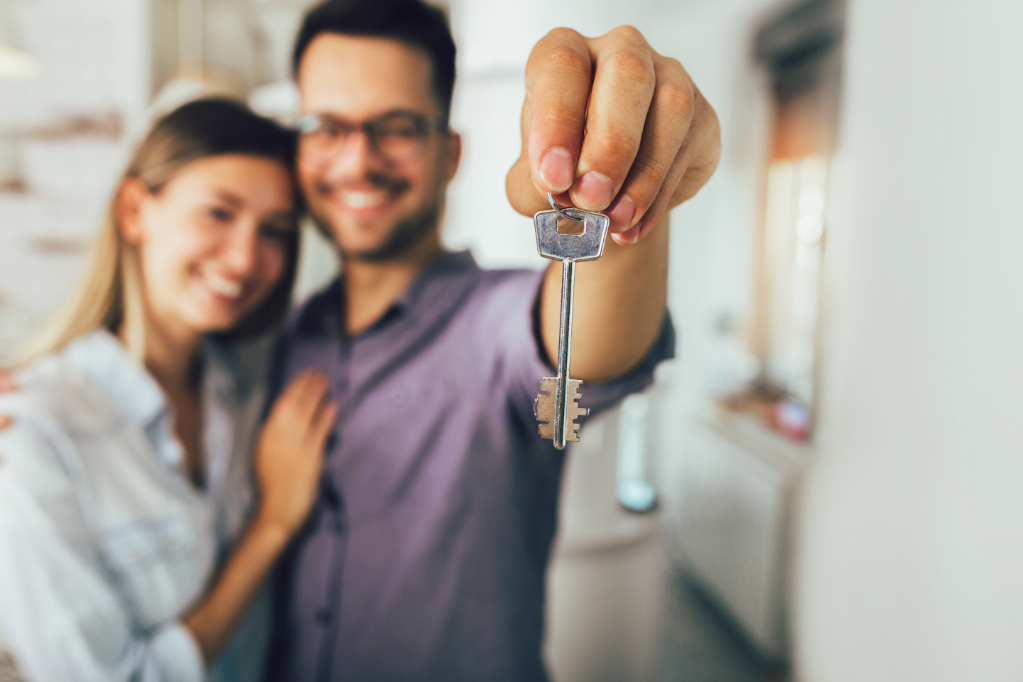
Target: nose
<point>355,159</point>
<point>239,253</point>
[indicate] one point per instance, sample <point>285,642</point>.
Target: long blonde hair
<point>110,294</point>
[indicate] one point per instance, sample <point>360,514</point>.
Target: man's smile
<point>365,198</point>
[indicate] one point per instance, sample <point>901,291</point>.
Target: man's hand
<point>613,124</point>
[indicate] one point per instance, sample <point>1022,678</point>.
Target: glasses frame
<point>312,122</point>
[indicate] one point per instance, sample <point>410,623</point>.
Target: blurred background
<point>825,484</point>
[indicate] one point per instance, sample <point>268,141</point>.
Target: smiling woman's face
<point>212,242</point>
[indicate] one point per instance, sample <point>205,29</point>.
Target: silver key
<point>556,407</point>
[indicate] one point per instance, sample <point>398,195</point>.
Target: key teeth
<point>543,409</point>
<point>573,432</point>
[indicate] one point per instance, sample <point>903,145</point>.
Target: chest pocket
<point>157,567</point>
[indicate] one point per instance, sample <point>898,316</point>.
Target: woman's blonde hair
<point>110,294</point>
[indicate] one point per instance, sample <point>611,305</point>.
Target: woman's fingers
<point>302,396</point>
<point>304,413</point>
<point>322,424</point>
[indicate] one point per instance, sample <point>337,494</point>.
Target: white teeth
<point>223,286</point>
<point>363,199</point>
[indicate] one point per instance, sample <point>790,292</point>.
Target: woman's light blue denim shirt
<point>104,542</point>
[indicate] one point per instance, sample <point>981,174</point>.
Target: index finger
<point>623,88</point>
<point>303,393</point>
<point>558,77</point>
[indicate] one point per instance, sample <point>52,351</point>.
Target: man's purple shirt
<point>426,554</point>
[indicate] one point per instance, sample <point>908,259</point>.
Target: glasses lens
<point>401,136</point>
<point>321,135</point>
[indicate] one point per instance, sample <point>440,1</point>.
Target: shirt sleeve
<point>61,619</point>
<point>527,361</point>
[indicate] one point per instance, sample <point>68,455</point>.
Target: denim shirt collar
<point>136,396</point>
<point>130,388</point>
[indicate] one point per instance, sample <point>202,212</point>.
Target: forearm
<point>619,307</point>
<point>215,619</point>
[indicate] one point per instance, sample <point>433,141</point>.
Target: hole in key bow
<point>571,226</point>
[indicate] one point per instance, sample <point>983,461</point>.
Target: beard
<point>405,235</point>
<point>402,237</point>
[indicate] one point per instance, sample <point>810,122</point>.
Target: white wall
<point>92,62</point>
<point>911,545</point>
<point>710,234</point>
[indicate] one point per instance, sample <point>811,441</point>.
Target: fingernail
<point>556,169</point>
<point>6,384</point>
<point>4,421</point>
<point>630,236</point>
<point>622,211</point>
<point>593,192</point>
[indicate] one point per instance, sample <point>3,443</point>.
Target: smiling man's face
<point>376,205</point>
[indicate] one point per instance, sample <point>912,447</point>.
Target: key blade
<point>578,247</point>
<point>574,411</point>
<point>543,407</point>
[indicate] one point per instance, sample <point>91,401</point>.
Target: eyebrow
<point>281,215</point>
<point>391,112</point>
<point>230,198</point>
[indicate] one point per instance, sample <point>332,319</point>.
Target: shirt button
<point>323,615</point>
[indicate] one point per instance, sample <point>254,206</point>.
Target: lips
<point>369,195</point>
<point>362,200</point>
<point>224,287</point>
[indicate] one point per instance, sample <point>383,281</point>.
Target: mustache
<point>378,180</point>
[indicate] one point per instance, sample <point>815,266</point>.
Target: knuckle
<point>632,65</point>
<point>563,119</point>
<point>564,59</point>
<point>651,172</point>
<point>614,145</point>
<point>676,171</point>
<point>563,34</point>
<point>673,67</point>
<point>629,33</point>
<point>677,98</point>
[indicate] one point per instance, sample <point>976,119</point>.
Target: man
<point>426,556</point>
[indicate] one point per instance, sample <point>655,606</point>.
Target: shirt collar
<point>450,262</point>
<point>101,357</point>
<point>323,312</point>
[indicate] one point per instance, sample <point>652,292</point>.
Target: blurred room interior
<point>822,486</point>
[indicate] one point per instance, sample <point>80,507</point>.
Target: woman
<point>132,540</point>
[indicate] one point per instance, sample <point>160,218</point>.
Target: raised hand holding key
<point>611,126</point>
<point>556,407</point>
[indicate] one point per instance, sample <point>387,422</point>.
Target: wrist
<point>271,530</point>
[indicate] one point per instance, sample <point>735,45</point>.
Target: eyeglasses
<point>397,136</point>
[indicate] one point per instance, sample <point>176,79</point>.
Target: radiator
<point>733,484</point>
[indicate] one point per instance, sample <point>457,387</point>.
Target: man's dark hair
<point>411,22</point>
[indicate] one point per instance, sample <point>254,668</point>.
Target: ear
<point>128,208</point>
<point>454,153</point>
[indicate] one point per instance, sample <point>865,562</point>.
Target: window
<point>799,50</point>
